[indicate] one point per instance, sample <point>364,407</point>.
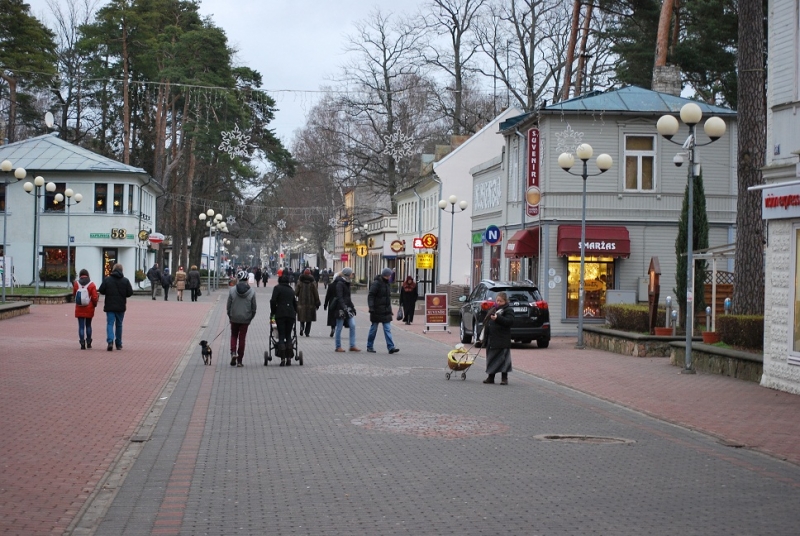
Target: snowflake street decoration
<point>568,140</point>
<point>281,225</point>
<point>231,220</point>
<point>333,222</point>
<point>398,145</point>
<point>235,143</point>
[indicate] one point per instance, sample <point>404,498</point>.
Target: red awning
<point>524,243</point>
<point>600,241</point>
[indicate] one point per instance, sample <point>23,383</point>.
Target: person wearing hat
<point>345,310</point>
<point>379,300</point>
<point>241,311</point>
<point>307,301</point>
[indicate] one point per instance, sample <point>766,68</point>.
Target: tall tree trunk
<point>662,40</point>
<point>126,105</point>
<point>573,40</point>
<point>748,281</point>
<point>12,107</point>
<point>582,58</point>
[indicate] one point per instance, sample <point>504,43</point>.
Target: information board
<point>436,311</point>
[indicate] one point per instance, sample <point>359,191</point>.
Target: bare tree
<point>452,20</point>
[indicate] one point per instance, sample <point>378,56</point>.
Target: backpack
<point>82,297</point>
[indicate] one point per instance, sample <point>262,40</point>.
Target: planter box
<point>664,332</point>
<point>711,337</point>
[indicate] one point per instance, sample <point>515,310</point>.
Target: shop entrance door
<point>109,260</point>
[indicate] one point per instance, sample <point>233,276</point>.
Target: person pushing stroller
<point>283,307</point>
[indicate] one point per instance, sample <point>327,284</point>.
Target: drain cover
<point>584,439</point>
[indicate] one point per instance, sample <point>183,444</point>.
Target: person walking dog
<point>117,289</point>
<point>241,310</point>
<point>496,337</point>
<point>85,293</point>
<point>379,300</point>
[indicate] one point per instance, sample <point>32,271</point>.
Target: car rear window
<point>517,294</point>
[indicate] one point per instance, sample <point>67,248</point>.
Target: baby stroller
<point>282,353</point>
<point>459,360</point>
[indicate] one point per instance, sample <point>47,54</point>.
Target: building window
<point>119,194</point>
<point>639,163</point>
<point>598,277</point>
<point>50,203</point>
<point>2,197</point>
<point>101,197</point>
<point>130,199</point>
<point>494,262</point>
<point>55,264</point>
<point>514,270</point>
<point>477,264</point>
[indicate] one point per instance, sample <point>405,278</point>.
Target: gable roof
<point>494,123</point>
<point>51,153</point>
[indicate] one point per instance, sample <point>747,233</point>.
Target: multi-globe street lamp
<point>667,127</point>
<point>71,199</point>
<point>453,201</point>
<point>604,162</point>
<point>35,189</point>
<point>19,174</point>
<point>202,217</point>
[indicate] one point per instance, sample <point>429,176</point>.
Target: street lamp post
<point>604,163</point>
<point>202,217</point>
<point>19,174</point>
<point>35,189</point>
<point>667,127</point>
<point>453,201</point>
<point>77,199</point>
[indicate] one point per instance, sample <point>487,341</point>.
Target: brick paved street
<point>360,443</point>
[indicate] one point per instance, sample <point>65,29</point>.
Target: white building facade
<point>119,202</point>
<point>781,200</point>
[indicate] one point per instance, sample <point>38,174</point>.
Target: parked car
<point>531,313</point>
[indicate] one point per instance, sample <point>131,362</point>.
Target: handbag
<point>199,292</point>
<point>400,313</point>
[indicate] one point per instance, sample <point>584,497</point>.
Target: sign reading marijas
<point>533,194</point>
<point>600,246</point>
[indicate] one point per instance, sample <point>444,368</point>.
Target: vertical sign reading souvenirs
<point>532,194</point>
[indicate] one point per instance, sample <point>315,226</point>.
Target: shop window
<point>494,262</point>
<point>119,194</point>
<point>514,270</point>
<point>109,260</point>
<point>55,264</point>
<point>50,203</point>
<point>477,265</point>
<point>639,163</point>
<point>101,197</point>
<point>598,276</point>
<point>3,197</point>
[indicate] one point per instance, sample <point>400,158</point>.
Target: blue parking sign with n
<point>492,234</point>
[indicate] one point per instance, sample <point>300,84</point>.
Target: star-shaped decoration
<point>398,145</point>
<point>235,143</point>
<point>281,225</point>
<point>231,220</point>
<point>568,140</point>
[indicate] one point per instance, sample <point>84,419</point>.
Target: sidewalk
<point>361,443</point>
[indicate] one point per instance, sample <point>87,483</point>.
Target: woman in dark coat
<point>283,307</point>
<point>307,301</point>
<point>497,339</point>
<point>193,281</point>
<point>328,305</point>
<point>408,299</point>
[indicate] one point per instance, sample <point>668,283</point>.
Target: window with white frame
<point>640,156</point>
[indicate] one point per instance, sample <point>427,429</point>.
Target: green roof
<point>632,100</point>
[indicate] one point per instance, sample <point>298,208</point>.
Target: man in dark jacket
<point>283,306</point>
<point>166,283</point>
<point>117,289</point>
<point>154,276</point>
<point>379,300</point>
<point>241,310</point>
<point>193,281</point>
<point>345,310</point>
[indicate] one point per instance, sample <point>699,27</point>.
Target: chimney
<point>667,79</point>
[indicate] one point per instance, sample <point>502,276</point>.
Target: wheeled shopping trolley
<point>460,359</point>
<point>282,352</point>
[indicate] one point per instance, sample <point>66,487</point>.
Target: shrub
<point>139,276</point>
<point>745,331</point>
<point>626,317</point>
<point>53,274</point>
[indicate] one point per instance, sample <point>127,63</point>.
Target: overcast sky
<point>296,45</point>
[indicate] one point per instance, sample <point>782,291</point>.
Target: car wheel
<point>543,343</point>
<point>465,338</point>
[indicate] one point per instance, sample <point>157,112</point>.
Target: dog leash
<point>218,334</point>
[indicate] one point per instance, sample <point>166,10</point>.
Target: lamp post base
<point>688,371</point>
<point>580,346</point>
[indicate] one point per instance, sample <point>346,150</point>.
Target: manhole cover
<point>584,439</point>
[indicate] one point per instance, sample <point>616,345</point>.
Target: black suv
<point>531,314</point>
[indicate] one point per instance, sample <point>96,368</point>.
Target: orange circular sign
<point>429,241</point>
<point>398,246</point>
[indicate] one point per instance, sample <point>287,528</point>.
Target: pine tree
<point>699,241</point>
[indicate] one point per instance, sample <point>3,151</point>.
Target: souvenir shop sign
<point>436,311</point>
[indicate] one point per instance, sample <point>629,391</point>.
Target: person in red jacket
<point>85,313</point>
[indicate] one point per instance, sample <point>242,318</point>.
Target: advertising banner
<point>532,194</point>
<point>436,311</point>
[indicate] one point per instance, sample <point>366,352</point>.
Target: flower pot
<point>711,337</point>
<point>663,332</point>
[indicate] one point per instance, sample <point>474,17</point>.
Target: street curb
<point>91,514</point>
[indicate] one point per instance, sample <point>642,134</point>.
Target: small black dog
<point>206,351</point>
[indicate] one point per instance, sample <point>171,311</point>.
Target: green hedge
<point>745,331</point>
<point>626,317</point>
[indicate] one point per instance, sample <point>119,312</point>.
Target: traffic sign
<point>493,235</point>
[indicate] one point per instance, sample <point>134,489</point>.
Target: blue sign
<point>493,235</point>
